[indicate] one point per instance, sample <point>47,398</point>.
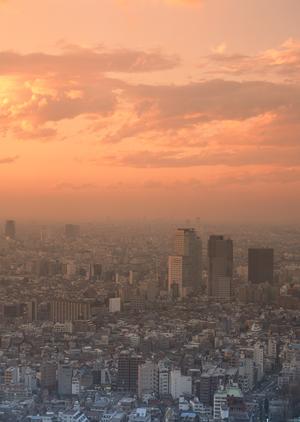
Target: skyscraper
<point>220,266</point>
<point>128,365</point>
<point>260,265</point>
<point>185,266</point>
<point>64,379</point>
<point>10,229</point>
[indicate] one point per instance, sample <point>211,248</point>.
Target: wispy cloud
<point>8,160</point>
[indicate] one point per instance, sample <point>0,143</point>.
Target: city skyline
<point>104,113</point>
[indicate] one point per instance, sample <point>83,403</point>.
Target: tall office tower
<point>259,357</point>
<point>72,231</point>
<point>63,311</point>
<point>128,366</point>
<point>48,375</point>
<point>10,229</point>
<point>64,379</point>
<point>220,266</point>
<point>260,265</point>
<point>185,266</point>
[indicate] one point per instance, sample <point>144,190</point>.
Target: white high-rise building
<point>179,384</point>
<point>163,379</point>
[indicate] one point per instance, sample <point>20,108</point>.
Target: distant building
<point>163,380</point>
<point>259,359</point>
<point>48,375</point>
<point>10,229</point>
<point>73,416</point>
<point>185,266</point>
<point>128,367</point>
<point>246,374</point>
<point>72,231</point>
<point>63,311</point>
<point>179,384</point>
<point>115,304</point>
<point>260,265</point>
<point>140,415</point>
<point>220,267</point>
<point>148,378</point>
<point>64,379</point>
<point>221,399</point>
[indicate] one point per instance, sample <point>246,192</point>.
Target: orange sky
<point>157,108</point>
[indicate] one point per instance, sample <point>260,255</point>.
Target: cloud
<point>240,157</point>
<point>82,60</point>
<point>39,90</point>
<point>282,62</point>
<point>8,160</point>
<point>74,186</point>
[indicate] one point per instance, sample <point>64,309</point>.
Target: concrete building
<point>221,399</point>
<point>179,384</point>
<point>48,375</point>
<point>64,379</point>
<point>246,376</point>
<point>63,311</point>
<point>259,359</point>
<point>163,380</point>
<point>115,304</point>
<point>148,378</point>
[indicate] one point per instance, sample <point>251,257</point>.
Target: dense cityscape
<point>150,321</point>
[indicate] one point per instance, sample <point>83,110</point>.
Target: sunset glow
<point>138,107</point>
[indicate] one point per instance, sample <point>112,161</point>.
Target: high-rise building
<point>10,229</point>
<point>220,266</point>
<point>148,378</point>
<point>128,366</point>
<point>260,265</point>
<point>179,384</point>
<point>48,375</point>
<point>64,379</point>
<point>185,266</point>
<point>259,355</point>
<point>163,379</point>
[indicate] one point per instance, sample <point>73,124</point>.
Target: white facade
<point>164,380</point>
<point>75,386</point>
<point>179,384</point>
<point>115,304</point>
